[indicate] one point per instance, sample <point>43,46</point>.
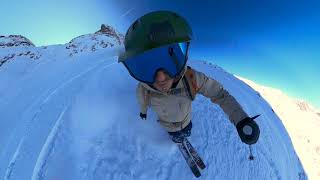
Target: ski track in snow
<point>63,85</point>
<point>39,168</point>
<point>73,78</point>
<point>46,149</point>
<point>13,160</point>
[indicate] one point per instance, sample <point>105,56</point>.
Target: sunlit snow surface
<point>76,117</point>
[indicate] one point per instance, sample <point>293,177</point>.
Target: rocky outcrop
<point>8,53</point>
<point>11,56</point>
<point>110,31</point>
<point>303,106</point>
<point>106,37</point>
<point>15,41</point>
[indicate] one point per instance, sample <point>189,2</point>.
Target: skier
<point>156,53</point>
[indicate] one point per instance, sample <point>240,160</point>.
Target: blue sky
<point>274,43</point>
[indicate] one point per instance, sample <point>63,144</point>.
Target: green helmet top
<point>153,30</point>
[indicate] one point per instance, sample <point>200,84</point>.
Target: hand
<point>248,130</point>
<point>143,116</point>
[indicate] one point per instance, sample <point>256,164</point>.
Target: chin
<point>165,90</point>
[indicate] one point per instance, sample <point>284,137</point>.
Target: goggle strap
<point>174,57</point>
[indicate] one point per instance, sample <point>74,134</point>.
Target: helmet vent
<point>160,31</point>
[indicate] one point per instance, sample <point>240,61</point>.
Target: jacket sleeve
<point>142,97</point>
<point>215,91</point>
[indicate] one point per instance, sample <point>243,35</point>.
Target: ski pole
<point>251,157</point>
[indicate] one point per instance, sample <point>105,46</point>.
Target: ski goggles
<point>171,58</point>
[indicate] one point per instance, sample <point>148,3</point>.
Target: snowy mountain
<point>302,122</point>
<point>17,46</point>
<point>107,36</point>
<point>14,41</point>
<point>72,114</point>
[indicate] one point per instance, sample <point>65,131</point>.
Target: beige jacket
<point>174,108</point>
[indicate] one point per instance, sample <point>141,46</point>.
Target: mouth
<point>164,88</point>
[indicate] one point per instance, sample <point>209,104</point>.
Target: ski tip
<point>197,175</point>
<point>202,166</point>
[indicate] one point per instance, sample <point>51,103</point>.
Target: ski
<point>192,164</point>
<point>194,154</point>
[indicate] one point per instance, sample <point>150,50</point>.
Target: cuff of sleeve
<point>237,116</point>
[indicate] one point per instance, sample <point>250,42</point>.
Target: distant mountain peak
<point>110,31</point>
<point>106,37</point>
<point>277,96</point>
<point>14,41</point>
<point>304,106</point>
<point>106,29</point>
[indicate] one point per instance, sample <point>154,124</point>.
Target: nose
<point>161,77</point>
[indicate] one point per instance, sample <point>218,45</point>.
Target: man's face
<point>163,82</point>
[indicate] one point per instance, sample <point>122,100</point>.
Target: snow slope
<point>75,117</point>
<point>302,122</point>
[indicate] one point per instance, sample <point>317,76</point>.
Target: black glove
<point>248,130</point>
<point>143,116</point>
